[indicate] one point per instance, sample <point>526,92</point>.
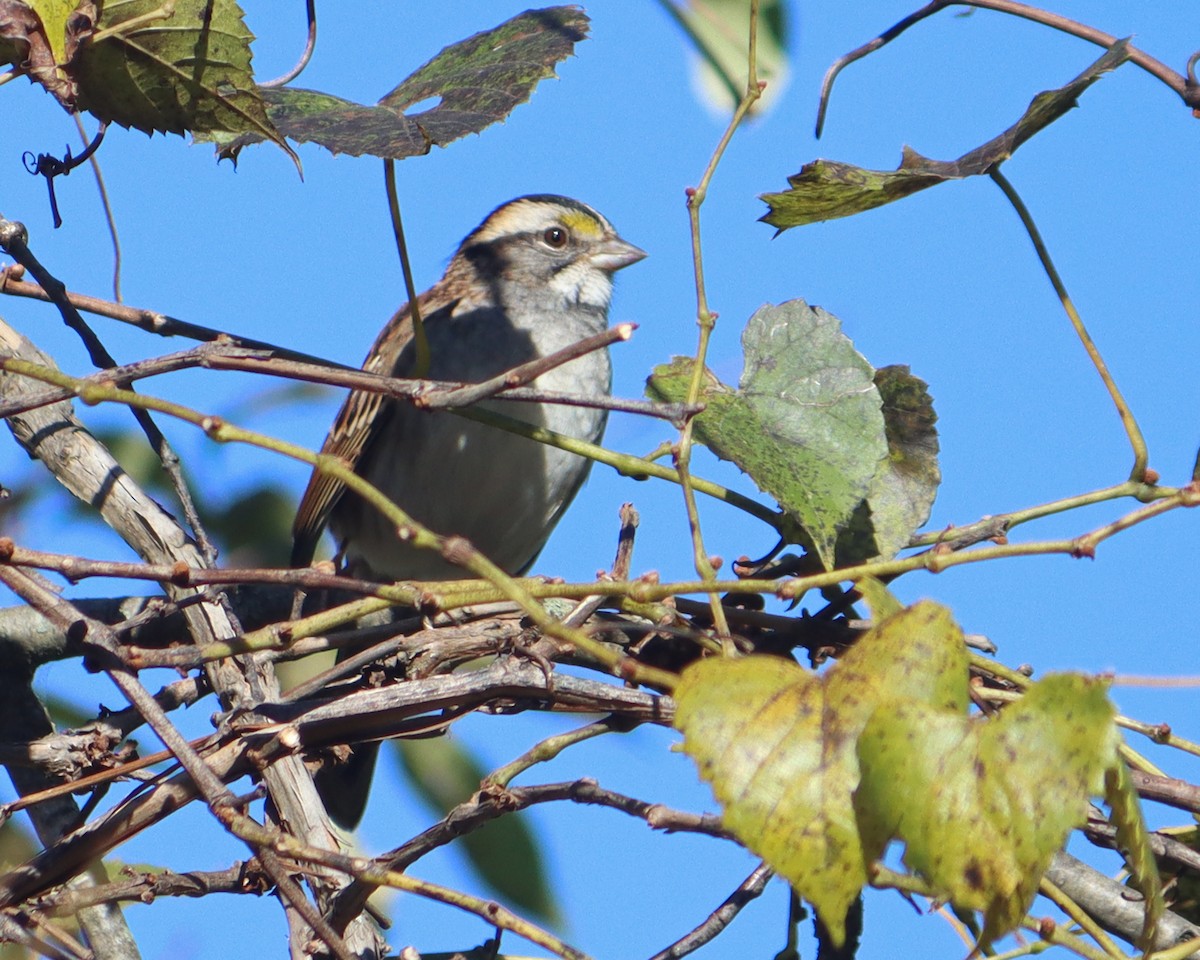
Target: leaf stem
<point>420,338</point>
<point>1185,87</point>
<point>1132,430</point>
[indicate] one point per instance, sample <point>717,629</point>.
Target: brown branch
<point>14,243</point>
<point>1168,790</point>
<point>224,351</point>
<point>53,435</point>
<point>149,320</point>
<point>216,795</point>
<point>12,931</point>
<point>529,371</point>
<point>143,887</point>
<point>489,804</point>
<point>1185,87</point>
<point>749,889</point>
<point>507,685</point>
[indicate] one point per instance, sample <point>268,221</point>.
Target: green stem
<point>706,319</point>
<point>1006,521</point>
<point>625,464</point>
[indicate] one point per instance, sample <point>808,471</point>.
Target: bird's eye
<point>555,237</point>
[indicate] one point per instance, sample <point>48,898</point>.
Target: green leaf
<point>188,70</point>
<point>478,81</point>
<point>503,852</point>
<point>778,744</point>
<point>827,189</point>
<point>806,423</point>
<point>981,805</point>
<point>903,490</point>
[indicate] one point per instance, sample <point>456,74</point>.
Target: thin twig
<point>529,371</point>
<point>620,568</point>
<point>749,889</point>
<point>306,56</point>
<point>706,319</point>
<point>1187,89</point>
<point>240,878</point>
<point>998,525</point>
<point>106,206</point>
<point>551,747</point>
<point>151,321</point>
<point>216,794</point>
<point>1055,895</point>
<point>487,805</point>
<point>425,393</point>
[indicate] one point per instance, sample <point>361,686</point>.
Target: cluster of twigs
<point>227,627</point>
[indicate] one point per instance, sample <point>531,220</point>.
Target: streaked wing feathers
<point>357,423</point>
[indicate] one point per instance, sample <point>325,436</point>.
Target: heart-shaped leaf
<point>982,805</point>
<point>806,423</point>
<point>778,744</point>
<point>906,482</point>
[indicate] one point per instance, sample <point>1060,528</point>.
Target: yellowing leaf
<point>983,805</point>
<point>778,744</point>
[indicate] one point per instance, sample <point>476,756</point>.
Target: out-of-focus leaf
<point>255,528</point>
<point>504,853</point>
<point>983,805</point>
<point>478,81</point>
<point>827,189</point>
<point>16,844</point>
<point>903,490</point>
<point>806,423</point>
<point>720,31</point>
<point>778,744</point>
<point>66,714</point>
<point>186,71</point>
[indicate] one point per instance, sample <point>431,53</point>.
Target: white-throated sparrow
<point>534,277</point>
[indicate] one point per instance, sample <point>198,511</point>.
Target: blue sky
<point>945,281</point>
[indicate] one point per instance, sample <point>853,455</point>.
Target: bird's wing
<point>357,424</point>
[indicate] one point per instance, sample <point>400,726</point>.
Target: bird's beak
<point>614,253</point>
